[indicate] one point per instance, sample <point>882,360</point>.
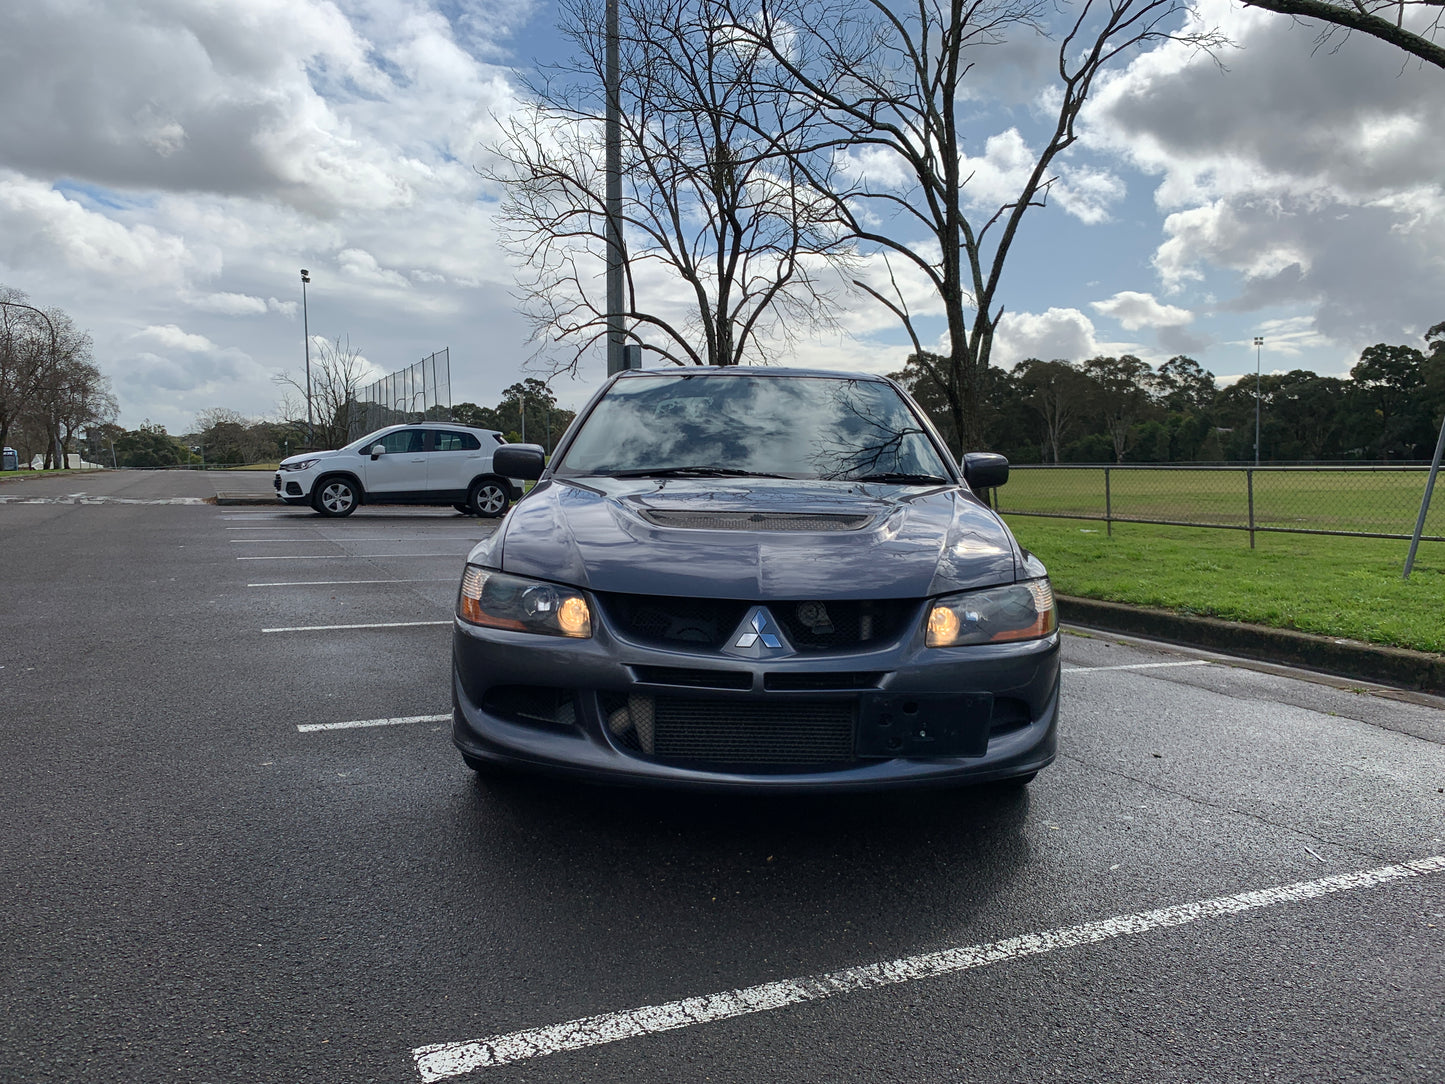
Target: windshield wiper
<point>688,472</point>
<point>899,478</point>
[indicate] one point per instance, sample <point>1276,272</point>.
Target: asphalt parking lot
<point>238,846</point>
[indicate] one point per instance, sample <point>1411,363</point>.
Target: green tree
<point>530,407</point>
<point>1056,392</point>
<point>1118,396</point>
<point>149,447</point>
<point>1389,391</point>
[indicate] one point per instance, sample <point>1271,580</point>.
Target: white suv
<point>424,463</point>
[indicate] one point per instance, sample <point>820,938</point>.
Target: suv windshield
<point>812,427</point>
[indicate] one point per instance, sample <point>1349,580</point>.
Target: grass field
<point>1384,501</point>
<point>1335,586</point>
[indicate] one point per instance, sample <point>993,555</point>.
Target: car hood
<point>304,456</point>
<point>728,538</point>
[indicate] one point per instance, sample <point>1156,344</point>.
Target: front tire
<point>336,497</point>
<point>489,498</point>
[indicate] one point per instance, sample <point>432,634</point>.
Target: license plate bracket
<point>924,724</point>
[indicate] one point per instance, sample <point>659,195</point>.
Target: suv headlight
<point>499,601</point>
<point>300,466</point>
<point>1020,611</point>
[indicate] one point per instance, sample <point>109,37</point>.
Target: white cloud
<point>173,338</point>
<point>1136,310</point>
<point>230,304</point>
<point>42,225</point>
<point>1057,333</point>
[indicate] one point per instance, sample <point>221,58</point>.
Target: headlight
<point>300,466</point>
<point>1020,611</point>
<point>500,601</point>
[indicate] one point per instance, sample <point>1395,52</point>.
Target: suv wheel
<point>336,497</point>
<point>488,498</point>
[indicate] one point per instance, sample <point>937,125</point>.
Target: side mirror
<point>525,461</point>
<point>378,450</point>
<point>984,470</point>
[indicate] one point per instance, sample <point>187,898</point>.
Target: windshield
<point>772,426</point>
<point>367,441</point>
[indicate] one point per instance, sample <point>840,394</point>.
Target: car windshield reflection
<point>806,427</point>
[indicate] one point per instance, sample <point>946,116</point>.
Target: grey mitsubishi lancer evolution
<point>755,579</point>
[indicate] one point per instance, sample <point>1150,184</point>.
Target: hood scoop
<point>755,521</point>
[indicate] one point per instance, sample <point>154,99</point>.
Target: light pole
<point>306,331</point>
<point>613,78</point>
<point>1258,346</point>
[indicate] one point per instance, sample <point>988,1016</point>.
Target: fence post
<point>1108,505</point>
<point>1249,481</point>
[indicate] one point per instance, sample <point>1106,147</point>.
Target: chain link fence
<point>1364,502</point>
<point>420,392</point>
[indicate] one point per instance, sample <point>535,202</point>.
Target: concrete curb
<point>1343,658</point>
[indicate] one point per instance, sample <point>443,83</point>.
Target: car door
<point>400,471</point>
<point>457,458</point>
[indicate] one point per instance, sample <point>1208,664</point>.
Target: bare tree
<point>337,373</point>
<point>73,393</point>
<point>25,357</point>
<point>1383,19</point>
<point>892,78</point>
<point>730,248</point>
<point>49,386</point>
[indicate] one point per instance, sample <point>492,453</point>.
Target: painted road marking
<point>316,538</point>
<point>339,583</point>
<point>1134,666</point>
<point>81,498</point>
<point>454,556</point>
<point>377,625</point>
<point>442,1060</point>
<point>307,728</point>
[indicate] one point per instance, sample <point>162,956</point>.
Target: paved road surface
<point>203,878</point>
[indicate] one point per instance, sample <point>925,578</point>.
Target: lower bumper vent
<point>798,736</point>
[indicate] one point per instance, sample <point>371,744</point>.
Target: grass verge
<point>1349,587</point>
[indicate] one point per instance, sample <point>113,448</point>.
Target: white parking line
<point>1134,666</point>
<point>312,538</point>
<point>352,530</point>
<point>377,625</point>
<point>442,1060</point>
<point>307,728</point>
<point>454,556</point>
<point>339,583</point>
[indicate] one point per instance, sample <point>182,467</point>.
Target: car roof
<point>435,425</point>
<point>736,371</point>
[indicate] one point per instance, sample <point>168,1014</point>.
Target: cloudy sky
<point>168,166</point>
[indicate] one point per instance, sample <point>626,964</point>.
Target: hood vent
<point>757,521</point>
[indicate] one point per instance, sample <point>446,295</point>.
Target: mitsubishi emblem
<point>758,635</point>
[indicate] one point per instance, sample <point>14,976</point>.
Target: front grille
<point>842,624</point>
<point>668,621</point>
<point>758,521</point>
<point>276,481</point>
<point>707,624</point>
<point>802,735</point>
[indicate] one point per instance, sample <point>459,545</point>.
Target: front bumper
<point>292,487</point>
<point>1006,696</point>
